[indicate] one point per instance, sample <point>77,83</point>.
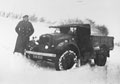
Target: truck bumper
<point>40,53</point>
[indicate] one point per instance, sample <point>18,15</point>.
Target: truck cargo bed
<point>103,40</point>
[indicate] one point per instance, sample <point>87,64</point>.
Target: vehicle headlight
<point>36,43</point>
<point>46,46</point>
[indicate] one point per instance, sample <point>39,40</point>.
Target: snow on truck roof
<point>71,25</point>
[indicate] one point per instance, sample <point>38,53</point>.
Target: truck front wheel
<point>66,60</point>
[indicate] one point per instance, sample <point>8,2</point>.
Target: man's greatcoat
<point>24,30</point>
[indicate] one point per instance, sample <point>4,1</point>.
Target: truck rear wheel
<point>100,60</point>
<point>66,60</point>
<point>102,55</point>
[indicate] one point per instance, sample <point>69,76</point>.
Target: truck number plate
<point>38,57</point>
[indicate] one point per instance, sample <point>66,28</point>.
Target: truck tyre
<point>101,56</point>
<point>100,60</point>
<point>65,59</point>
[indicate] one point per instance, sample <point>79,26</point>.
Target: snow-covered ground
<point>16,69</point>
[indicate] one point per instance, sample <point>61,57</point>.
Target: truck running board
<point>40,53</point>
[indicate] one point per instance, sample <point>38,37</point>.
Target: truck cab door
<point>83,38</point>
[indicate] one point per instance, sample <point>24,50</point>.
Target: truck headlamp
<point>46,46</point>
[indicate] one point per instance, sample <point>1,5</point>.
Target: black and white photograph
<point>59,42</point>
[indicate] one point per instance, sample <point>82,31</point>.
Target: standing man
<point>24,30</point>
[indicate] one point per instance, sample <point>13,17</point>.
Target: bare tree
<point>103,30</point>
<point>71,21</point>
<point>34,18</point>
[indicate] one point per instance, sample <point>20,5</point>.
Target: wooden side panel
<point>103,40</point>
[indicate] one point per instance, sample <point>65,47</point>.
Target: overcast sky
<point>63,8</point>
<point>101,11</point>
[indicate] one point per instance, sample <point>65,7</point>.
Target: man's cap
<point>25,16</point>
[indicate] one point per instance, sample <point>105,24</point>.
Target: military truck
<point>70,45</point>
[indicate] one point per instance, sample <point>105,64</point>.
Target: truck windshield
<point>64,30</point>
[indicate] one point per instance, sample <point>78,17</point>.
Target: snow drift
<point>16,69</point>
